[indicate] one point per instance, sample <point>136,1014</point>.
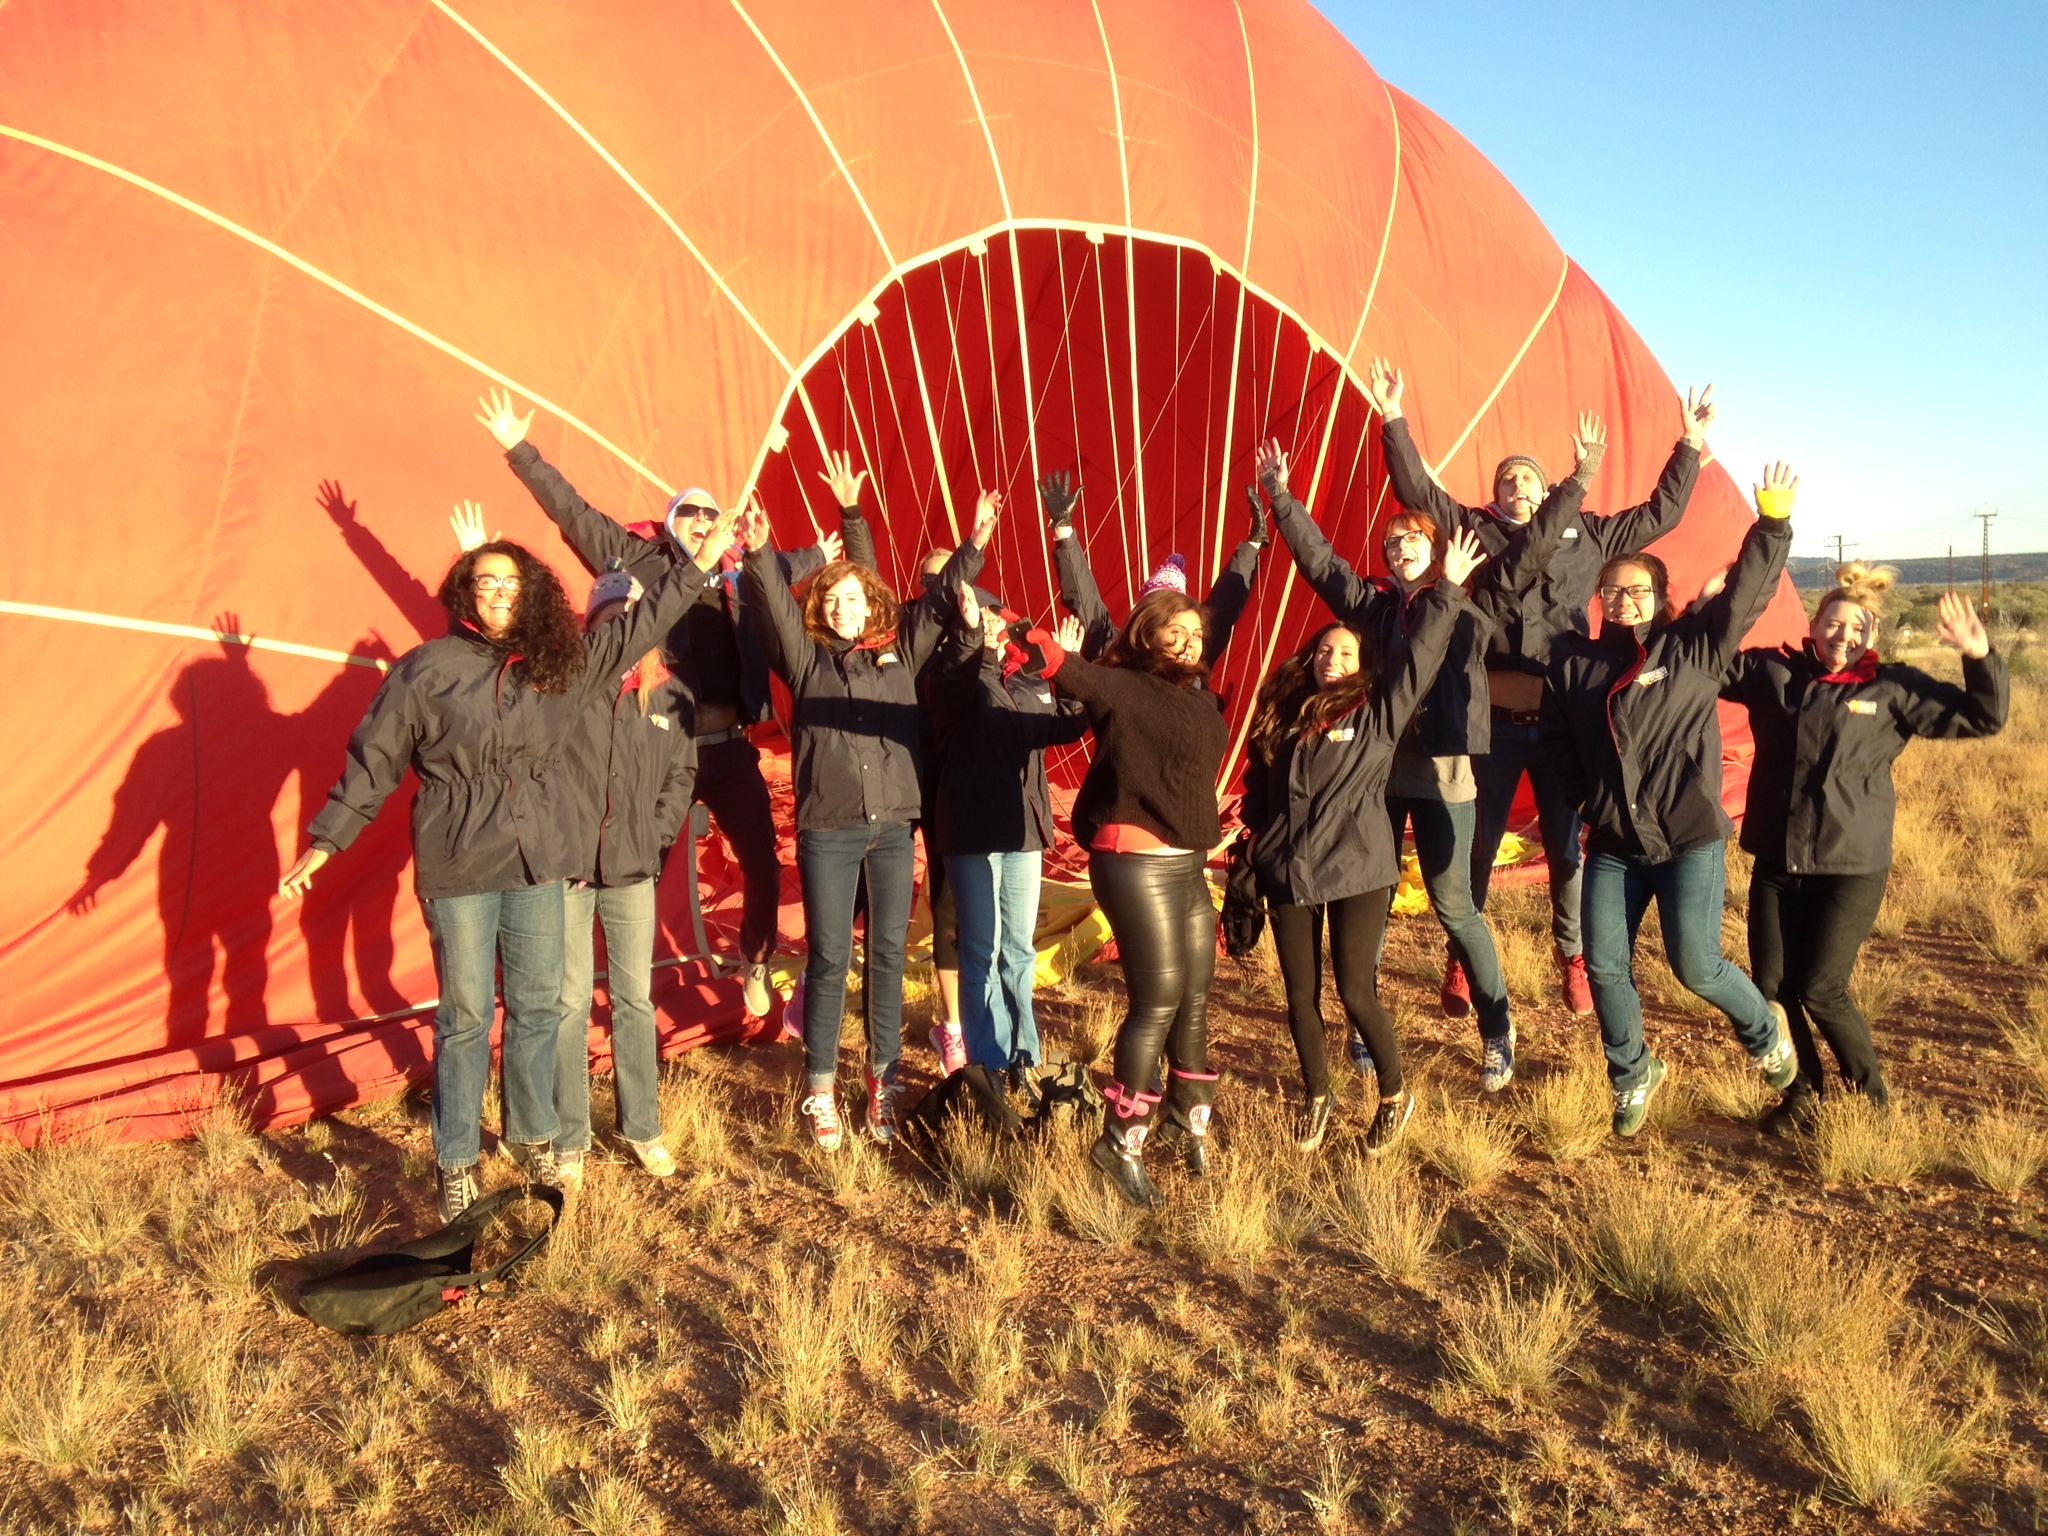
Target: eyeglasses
<point>1404,538</point>
<point>1633,594</point>
<point>495,583</point>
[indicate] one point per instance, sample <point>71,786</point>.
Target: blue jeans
<point>472,935</point>
<point>1688,891</point>
<point>627,912</point>
<point>997,898</point>
<point>1515,750</point>
<point>1443,847</point>
<point>831,863</point>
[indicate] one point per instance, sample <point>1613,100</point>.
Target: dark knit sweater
<point>1158,749</point>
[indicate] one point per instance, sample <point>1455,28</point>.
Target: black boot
<point>1117,1153</point>
<point>1795,1113</point>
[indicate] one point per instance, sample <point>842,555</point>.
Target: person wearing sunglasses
<point>1523,641</point>
<point>484,717</point>
<point>1631,730</point>
<point>720,670</point>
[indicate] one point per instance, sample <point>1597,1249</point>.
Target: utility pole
<point>1951,567</point>
<point>1985,518</point>
<point>1838,548</point>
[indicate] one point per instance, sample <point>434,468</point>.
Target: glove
<point>1059,492</point>
<point>1043,652</point>
<point>1589,463</point>
<point>1774,501</point>
<point>1260,534</point>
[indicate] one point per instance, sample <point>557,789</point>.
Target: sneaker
<point>950,1046</point>
<point>1456,993</point>
<point>755,994</point>
<point>655,1157</point>
<point>793,1011</point>
<point>1361,1056</point>
<point>1572,982</point>
<point>1313,1123</point>
<point>1795,1113</point>
<point>1632,1105</point>
<point>881,1110</point>
<point>1778,1064</point>
<point>822,1110</point>
<point>1497,1062</point>
<point>459,1191</point>
<point>537,1159</point>
<point>569,1171</point>
<point>1119,1157</point>
<point>1388,1123</point>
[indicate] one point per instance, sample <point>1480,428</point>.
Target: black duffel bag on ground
<point>389,1292</point>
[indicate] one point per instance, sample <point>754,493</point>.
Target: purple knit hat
<point>1172,576</point>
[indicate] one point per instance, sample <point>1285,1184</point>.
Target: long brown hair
<point>1137,644</point>
<point>1291,703</point>
<point>882,605</point>
<point>545,636</point>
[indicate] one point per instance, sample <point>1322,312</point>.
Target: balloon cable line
<point>1564,271</point>
<point>1123,165</point>
<point>190,632</point>
<point>1244,265</point>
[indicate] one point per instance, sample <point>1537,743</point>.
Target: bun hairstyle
<point>1861,584</point>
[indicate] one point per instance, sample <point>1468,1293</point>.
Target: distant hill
<point>1811,575</point>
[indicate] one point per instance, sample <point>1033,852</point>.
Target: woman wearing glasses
<point>1630,728</point>
<point>1431,787</point>
<point>484,716</point>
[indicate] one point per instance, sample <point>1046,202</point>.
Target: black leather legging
<point>1160,910</point>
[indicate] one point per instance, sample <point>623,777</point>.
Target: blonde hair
<point>1861,584</point>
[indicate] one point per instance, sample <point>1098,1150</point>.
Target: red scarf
<point>1862,670</point>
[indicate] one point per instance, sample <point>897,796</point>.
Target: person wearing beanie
<point>1630,728</point>
<point>1523,641</point>
<point>1431,787</point>
<point>720,674</point>
<point>1829,718</point>
<point>486,717</point>
<point>1059,494</point>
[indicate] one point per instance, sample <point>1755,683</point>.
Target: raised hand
<point>1067,634</point>
<point>753,527</point>
<point>1589,444</point>
<point>1260,533</point>
<point>1384,383</point>
<point>844,480</point>
<point>988,506</point>
<point>1774,496</point>
<point>1714,586</point>
<point>299,878</point>
<point>1273,468</point>
<point>970,608</point>
<point>335,504</point>
<point>1962,626</point>
<point>466,522</point>
<point>501,421</point>
<point>1058,492</point>
<point>717,540</point>
<point>1698,415</point>
<point>1463,555</point>
<point>830,545</point>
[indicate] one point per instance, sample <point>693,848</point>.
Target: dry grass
<point>66,1390</point>
<point>1330,1496</point>
<point>602,1238</point>
<point>1732,1089</point>
<point>1782,1300</point>
<point>1227,1220</point>
<point>1652,1237</point>
<point>1374,1210</point>
<point>1877,982</point>
<point>2026,1036</point>
<point>1086,1204</point>
<point>1520,919</point>
<point>2003,1149</point>
<point>1512,1341</point>
<point>693,1112</point>
<point>1091,1031</point>
<point>805,1327</point>
<point>1878,1435</point>
<point>1208,1417</point>
<point>1569,1113</point>
<point>1465,1142</point>
<point>1855,1142</point>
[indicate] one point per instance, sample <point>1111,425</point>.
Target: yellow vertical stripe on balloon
<point>1251,210</point>
<point>1123,163</point>
<point>1515,362</point>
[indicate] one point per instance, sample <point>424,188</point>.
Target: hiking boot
<point>568,1172</point>
<point>459,1191</point>
<point>1778,1064</point>
<point>1632,1105</point>
<point>1456,992</point>
<point>756,996</point>
<point>1572,983</point>
<point>1118,1156</point>
<point>1388,1123</point>
<point>537,1160</point>
<point>822,1110</point>
<point>1313,1123</point>
<point>1795,1113</point>
<point>655,1157</point>
<point>1497,1062</point>
<point>881,1110</point>
<point>950,1046</point>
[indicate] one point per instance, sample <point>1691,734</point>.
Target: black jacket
<point>497,802</point>
<point>1820,790</point>
<point>991,795</point>
<point>598,541</point>
<point>633,776</point>
<point>1081,597</point>
<point>1320,832</point>
<point>855,731</point>
<point>1158,749</point>
<point>1526,639</point>
<point>1629,723</point>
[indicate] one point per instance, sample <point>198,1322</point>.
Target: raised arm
<point>778,622</point>
<point>1500,588</point>
<point>1058,492</point>
<point>1232,593</point>
<point>927,616</point>
<point>1406,472</point>
<point>1343,591</point>
<point>1004,726</point>
<point>1624,533</point>
<point>846,482</point>
<point>1713,632</point>
<point>1978,708</point>
<point>610,646</point>
<point>596,539</point>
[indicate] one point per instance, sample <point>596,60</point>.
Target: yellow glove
<point>1774,501</point>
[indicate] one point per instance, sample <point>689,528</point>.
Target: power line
<point>1985,518</point>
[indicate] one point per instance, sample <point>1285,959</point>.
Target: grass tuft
<point>1512,1341</point>
<point>1855,1142</point>
<point>1650,1237</point>
<point>1569,1113</point>
<point>1467,1143</point>
<point>1375,1210</point>
<point>2003,1150</point>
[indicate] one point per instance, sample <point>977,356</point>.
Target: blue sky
<point>1837,213</point>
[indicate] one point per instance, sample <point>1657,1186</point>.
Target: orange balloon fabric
<point>254,250</point>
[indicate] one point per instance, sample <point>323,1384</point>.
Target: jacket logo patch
<point>1045,698</point>
<point>1344,733</point>
<point>1571,533</point>
<point>883,658</point>
<point>1654,675</point>
<point>1863,706</point>
<point>660,720</point>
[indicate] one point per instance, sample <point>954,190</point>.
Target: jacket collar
<point>1862,670</point>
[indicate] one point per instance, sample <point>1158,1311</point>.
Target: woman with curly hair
<point>1828,719</point>
<point>850,655</point>
<point>484,716</point>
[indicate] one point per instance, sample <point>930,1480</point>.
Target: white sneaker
<point>822,1110</point>
<point>1497,1064</point>
<point>655,1157</point>
<point>755,995</point>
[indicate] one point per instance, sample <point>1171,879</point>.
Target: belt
<point>717,738</point>
<point>1513,716</point>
